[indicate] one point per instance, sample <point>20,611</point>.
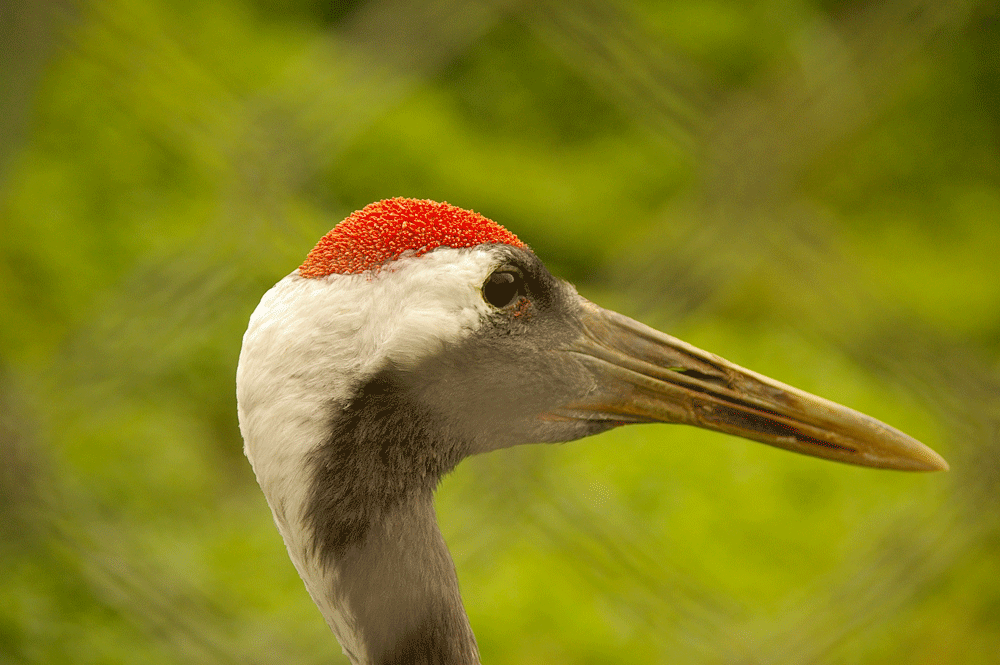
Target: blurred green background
<point>808,188</point>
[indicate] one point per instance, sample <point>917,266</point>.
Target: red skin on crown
<point>383,231</point>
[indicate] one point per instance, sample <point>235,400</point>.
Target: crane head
<point>416,334</point>
<point>457,313</point>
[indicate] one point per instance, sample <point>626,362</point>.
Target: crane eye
<point>502,288</point>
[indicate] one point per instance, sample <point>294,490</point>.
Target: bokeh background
<point>808,188</point>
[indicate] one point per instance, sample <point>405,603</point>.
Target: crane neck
<point>350,481</point>
<point>393,597</point>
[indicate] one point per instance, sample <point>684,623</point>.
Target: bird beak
<point>643,375</point>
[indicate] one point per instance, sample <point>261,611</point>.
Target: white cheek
<point>421,305</point>
<point>434,314</point>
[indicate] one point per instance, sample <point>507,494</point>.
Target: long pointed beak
<point>643,375</point>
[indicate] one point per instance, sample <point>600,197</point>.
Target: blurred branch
<point>50,527</point>
<point>752,143</point>
<point>600,41</point>
<point>30,32</point>
<point>849,70</point>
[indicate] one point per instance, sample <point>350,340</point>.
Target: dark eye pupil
<point>501,288</point>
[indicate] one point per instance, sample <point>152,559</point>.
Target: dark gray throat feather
<point>370,510</point>
<point>383,450</point>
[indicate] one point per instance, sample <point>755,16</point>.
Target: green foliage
<point>809,189</point>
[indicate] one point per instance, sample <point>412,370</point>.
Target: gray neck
<point>399,588</point>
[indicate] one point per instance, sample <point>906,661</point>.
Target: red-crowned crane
<point>416,334</point>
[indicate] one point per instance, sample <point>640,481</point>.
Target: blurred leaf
<point>809,189</point>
